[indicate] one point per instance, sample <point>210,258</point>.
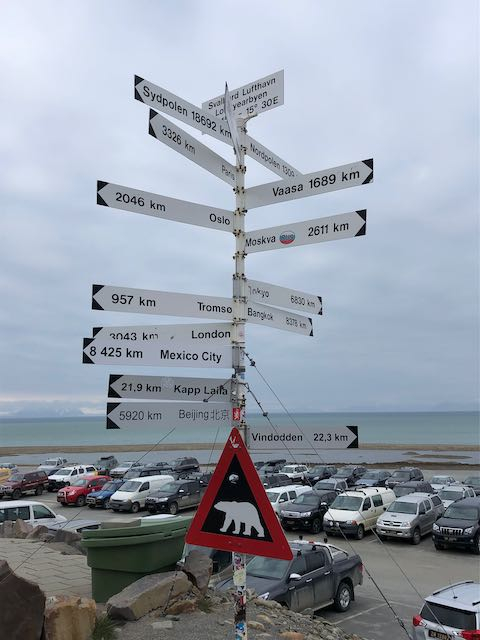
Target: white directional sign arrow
<point>311,184</point>
<point>169,354</point>
<point>167,388</point>
<point>215,332</point>
<point>170,414</point>
<point>269,159</point>
<point>160,99</point>
<point>252,98</point>
<point>178,139</point>
<point>108,298</point>
<point>282,297</point>
<point>345,225</point>
<point>283,438</point>
<point>152,204</point>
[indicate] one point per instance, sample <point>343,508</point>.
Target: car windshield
<point>456,512</point>
<point>325,485</point>
<point>267,568</point>
<point>448,616</point>
<point>403,507</point>
<point>449,494</point>
<point>347,503</point>
<point>63,472</point>
<point>474,480</point>
<point>401,475</point>
<point>272,496</point>
<point>306,498</point>
<point>16,477</point>
<point>109,486</point>
<point>439,480</point>
<point>343,473</point>
<point>170,487</point>
<point>317,470</point>
<point>402,491</point>
<point>50,463</point>
<point>130,486</point>
<point>370,475</point>
<point>288,468</point>
<point>79,483</point>
<point>128,463</point>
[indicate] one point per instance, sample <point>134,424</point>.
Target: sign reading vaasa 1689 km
<point>269,439</point>
<point>345,225</point>
<point>170,354</point>
<point>168,388</point>
<point>169,414</point>
<point>311,184</point>
<point>152,204</point>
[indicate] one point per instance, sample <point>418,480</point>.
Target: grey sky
<point>396,81</point>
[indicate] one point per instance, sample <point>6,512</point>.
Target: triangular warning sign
<point>235,513</point>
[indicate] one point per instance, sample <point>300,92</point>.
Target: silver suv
<point>410,517</point>
<point>452,612</point>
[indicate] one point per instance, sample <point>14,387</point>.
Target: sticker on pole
<point>235,513</point>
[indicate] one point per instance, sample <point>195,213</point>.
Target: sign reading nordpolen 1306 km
<point>170,414</point>
<point>294,234</point>
<point>118,196</point>
<point>283,438</point>
<point>168,388</point>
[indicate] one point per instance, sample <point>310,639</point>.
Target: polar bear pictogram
<point>240,513</point>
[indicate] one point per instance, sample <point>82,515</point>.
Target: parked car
<point>459,526</point>
<point>440,482</point>
<point>410,517</point>
<point>451,612</point>
<point>101,497</point>
<point>78,491</point>
<point>272,466</point>
<point>275,480</point>
<point>296,472</point>
<point>147,470</point>
<point>332,484</point>
<point>65,476</point>
<point>20,483</point>
<point>455,492</point>
<point>318,575</point>
<point>474,483</point>
<point>350,474</point>
<point>32,512</point>
<point>280,496</point>
<point>413,486</point>
<point>132,494</point>
<point>184,465</point>
<point>373,478</point>
<point>203,477</point>
<point>105,464</point>
<point>357,510</point>
<point>9,465</point>
<point>307,511</point>
<point>123,467</point>
<point>404,474</point>
<point>319,472</point>
<point>174,496</point>
<point>50,465</point>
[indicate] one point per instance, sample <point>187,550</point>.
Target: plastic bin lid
<point>166,525</point>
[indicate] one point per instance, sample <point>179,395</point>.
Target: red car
<point>77,492</point>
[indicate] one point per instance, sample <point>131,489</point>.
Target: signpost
<point>167,388</point>
<point>270,438</point>
<point>235,513</point>
<point>152,204</point>
<point>125,415</point>
<point>311,184</point>
<point>345,225</point>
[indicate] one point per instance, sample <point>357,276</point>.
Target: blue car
<point>101,498</point>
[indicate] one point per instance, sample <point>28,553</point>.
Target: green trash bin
<point>119,556</point>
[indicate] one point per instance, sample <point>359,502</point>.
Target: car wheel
<point>80,501</point>
<point>416,537</point>
<point>135,507</point>
<point>38,491</point>
<point>360,532</point>
<point>173,509</point>
<point>343,597</point>
<point>106,505</point>
<point>16,494</point>
<point>316,525</point>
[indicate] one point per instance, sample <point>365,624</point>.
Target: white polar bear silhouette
<point>240,513</point>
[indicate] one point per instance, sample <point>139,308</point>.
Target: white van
<point>32,512</point>
<point>357,510</point>
<point>279,496</point>
<point>133,493</point>
<point>65,476</point>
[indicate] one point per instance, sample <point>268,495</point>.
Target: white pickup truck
<point>296,472</point>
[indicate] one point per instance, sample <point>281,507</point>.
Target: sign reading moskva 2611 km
<point>168,414</point>
<point>311,184</point>
<point>345,225</point>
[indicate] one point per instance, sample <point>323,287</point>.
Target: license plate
<point>450,539</point>
<point>439,634</point>
<point>291,522</point>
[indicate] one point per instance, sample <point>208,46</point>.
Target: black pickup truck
<point>176,495</point>
<point>318,575</point>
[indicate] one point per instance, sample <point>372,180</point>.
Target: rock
<point>198,567</point>
<point>162,624</point>
<point>21,529</point>
<point>63,535</point>
<point>150,592</point>
<point>8,529</point>
<point>17,596</point>
<point>183,606</point>
<point>264,618</point>
<point>292,635</point>
<point>172,617</point>
<point>253,624</point>
<point>36,532</point>
<point>69,618</point>
<point>268,604</point>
